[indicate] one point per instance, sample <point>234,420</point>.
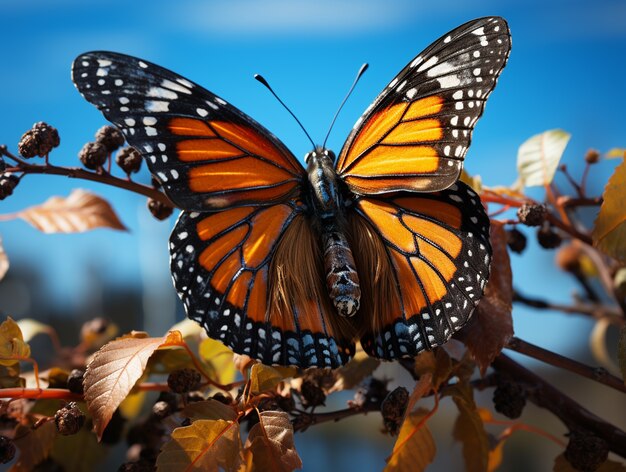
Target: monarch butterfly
<point>290,265</point>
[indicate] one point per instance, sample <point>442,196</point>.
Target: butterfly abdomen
<point>342,279</point>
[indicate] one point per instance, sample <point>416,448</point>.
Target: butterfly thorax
<point>341,276</point>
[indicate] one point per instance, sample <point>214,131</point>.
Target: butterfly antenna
<point>358,76</point>
<point>261,79</point>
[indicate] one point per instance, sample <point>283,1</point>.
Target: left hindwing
<point>433,248</point>
<point>415,135</point>
<point>205,152</point>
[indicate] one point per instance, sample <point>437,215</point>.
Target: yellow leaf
<point>12,343</point>
<point>609,231</point>
<point>264,378</point>
<point>491,326</point>
<point>205,445</point>
<point>495,457</point>
<point>113,372</point>
<point>415,446</point>
<point>4,261</point>
<point>470,430</point>
<point>131,406</point>
<point>272,445</point>
<point>34,445</point>
<point>476,182</point>
<point>220,358</point>
<point>355,371</point>
<point>615,153</point>
<point>539,156</point>
<point>81,211</point>
<point>209,410</point>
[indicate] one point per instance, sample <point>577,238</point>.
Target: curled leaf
<point>539,156</point>
<point>609,230</point>
<point>491,326</point>
<point>470,430</point>
<point>31,328</point>
<point>205,445</point>
<point>271,443</point>
<point>4,261</point>
<point>415,447</point>
<point>81,211</point>
<point>355,371</point>
<point>115,369</point>
<point>12,345</point>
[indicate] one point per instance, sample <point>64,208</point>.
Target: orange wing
<point>426,261</point>
<point>206,153</point>
<point>253,277</point>
<point>415,135</point>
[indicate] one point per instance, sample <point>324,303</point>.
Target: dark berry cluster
<point>8,182</point>
<point>159,210</point>
<point>532,214</point>
<point>184,380</point>
<point>69,419</point>
<point>516,240</point>
<point>392,409</point>
<point>586,451</point>
<point>39,140</point>
<point>509,398</point>
<point>548,238</point>
<point>129,160</point>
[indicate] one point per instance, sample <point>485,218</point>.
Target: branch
<point>573,415</point>
<point>599,374</point>
<point>304,419</point>
<point>39,393</point>
<point>597,311</point>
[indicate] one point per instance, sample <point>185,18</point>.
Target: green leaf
<point>470,430</point>
<point>539,156</point>
<point>415,447</point>
<point>272,445</point>
<point>205,445</point>
<point>609,231</point>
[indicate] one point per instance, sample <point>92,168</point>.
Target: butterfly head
<point>319,154</point>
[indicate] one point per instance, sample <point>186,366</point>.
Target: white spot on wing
<point>429,63</point>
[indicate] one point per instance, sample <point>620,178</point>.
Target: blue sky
<point>566,70</point>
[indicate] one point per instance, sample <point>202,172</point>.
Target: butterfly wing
<point>415,135</point>
<point>426,260</point>
<point>253,277</point>
<point>206,153</point>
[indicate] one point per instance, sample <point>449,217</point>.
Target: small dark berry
<point>7,184</point>
<point>312,394</point>
<point>509,398</point>
<point>592,156</point>
<point>516,240</point>
<point>585,451</point>
<point>93,155</point>
<point>392,409</point>
<point>111,137</point>
<point>75,381</point>
<point>548,238</point>
<point>159,210</point>
<point>531,214</point>
<point>184,380</point>
<point>7,450</point>
<point>69,419</point>
<point>129,160</point>
<point>39,140</point>
<point>162,409</point>
<point>224,398</point>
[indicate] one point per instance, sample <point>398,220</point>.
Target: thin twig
<point>599,374</point>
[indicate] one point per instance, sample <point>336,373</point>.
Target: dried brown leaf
<point>491,326</point>
<point>34,445</point>
<point>470,430</point>
<point>272,445</point>
<point>415,447</point>
<point>81,211</point>
<point>4,261</point>
<point>205,445</point>
<point>209,410</point>
<point>437,363</point>
<point>115,369</point>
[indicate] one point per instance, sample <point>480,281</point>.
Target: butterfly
<point>293,265</point>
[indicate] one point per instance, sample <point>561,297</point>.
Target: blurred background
<point>566,70</point>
